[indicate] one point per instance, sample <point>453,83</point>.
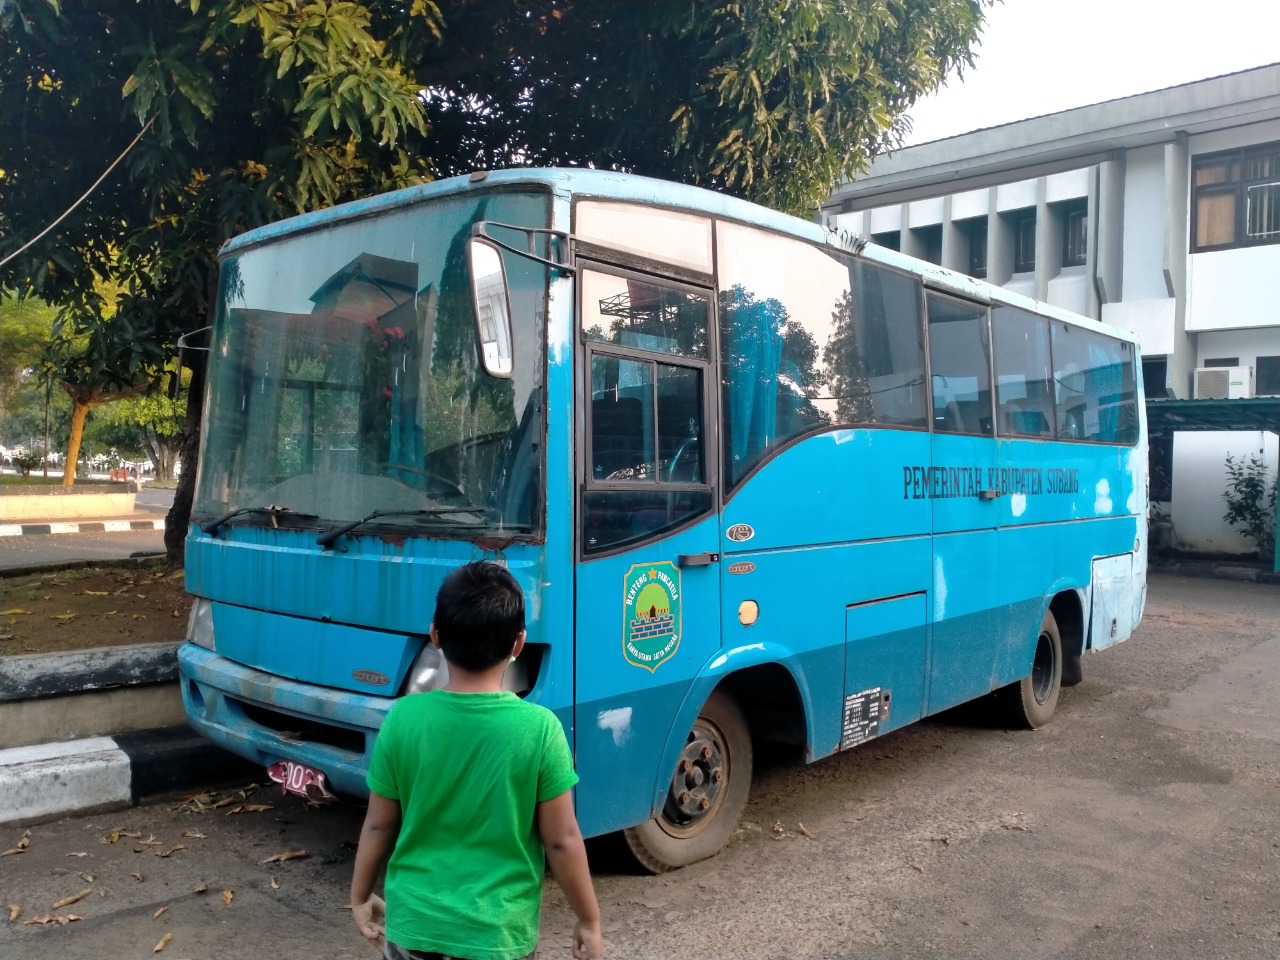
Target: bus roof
<point>629,187</point>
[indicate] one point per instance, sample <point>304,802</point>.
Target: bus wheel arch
<point>707,793</point>
<point>1030,702</point>
<point>1068,612</point>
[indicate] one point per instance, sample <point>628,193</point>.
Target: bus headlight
<point>200,624</point>
<point>430,672</point>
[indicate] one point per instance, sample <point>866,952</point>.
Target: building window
<point>1266,376</point>
<point>1075,233</point>
<point>1221,362</point>
<point>929,242</point>
<point>1155,374</point>
<point>890,239</point>
<point>975,231</point>
<point>1024,241</point>
<point>1236,198</point>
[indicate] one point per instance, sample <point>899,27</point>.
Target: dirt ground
<point>1141,823</point>
<point>99,606</point>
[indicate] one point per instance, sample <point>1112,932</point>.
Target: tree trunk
<point>79,411</point>
<point>179,517</point>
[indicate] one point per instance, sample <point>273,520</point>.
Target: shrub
<point>1251,502</point>
<point>26,462</point>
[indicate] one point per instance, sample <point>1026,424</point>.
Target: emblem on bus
<point>742,566</point>
<point>651,618</point>
<point>740,532</point>
<point>371,677</point>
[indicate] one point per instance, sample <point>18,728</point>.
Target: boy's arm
<point>567,855</point>
<point>377,837</point>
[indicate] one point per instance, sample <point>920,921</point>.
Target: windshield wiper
<point>275,512</point>
<point>326,540</point>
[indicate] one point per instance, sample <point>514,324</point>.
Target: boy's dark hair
<point>479,613</point>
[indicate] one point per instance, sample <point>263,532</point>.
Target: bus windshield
<point>349,379</point>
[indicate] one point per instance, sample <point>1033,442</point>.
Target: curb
<point>54,780</point>
<point>1248,573</point>
<point>86,526</point>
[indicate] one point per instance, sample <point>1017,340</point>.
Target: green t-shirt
<point>468,769</point>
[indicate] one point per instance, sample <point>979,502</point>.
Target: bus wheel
<point>707,795</point>
<point>1032,700</point>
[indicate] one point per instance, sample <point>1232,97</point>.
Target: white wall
<point>1150,320</point>
<point>1230,289</point>
<point>1142,276</point>
<point>1070,290</point>
<point>1200,479</point>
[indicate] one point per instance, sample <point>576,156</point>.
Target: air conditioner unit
<point>1223,383</point>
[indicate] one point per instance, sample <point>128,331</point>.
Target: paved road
<point>44,548</point>
<point>1142,822</point>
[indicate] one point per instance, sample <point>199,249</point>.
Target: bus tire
<point>1031,701</point>
<point>707,794</point>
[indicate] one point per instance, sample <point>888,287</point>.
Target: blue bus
<point>760,482</point>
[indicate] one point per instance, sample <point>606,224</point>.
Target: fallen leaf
<point>78,853</point>
<point>62,616</point>
<point>111,613</point>
<point>918,867</point>
<point>250,808</point>
<point>275,884</point>
<point>805,830</point>
<point>171,851</point>
<point>156,915</point>
<point>195,835</point>
<point>15,912</point>
<point>164,942</point>
<point>74,898</point>
<point>286,855</point>
<point>86,877</point>
<point>11,851</point>
<point>54,918</point>
<point>227,897</point>
<point>203,888</point>
<point>25,841</point>
<point>225,801</point>
<point>137,876</point>
<point>96,593</point>
<point>14,613</point>
<point>139,616</point>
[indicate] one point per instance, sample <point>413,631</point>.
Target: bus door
<point>647,568</point>
<point>966,609</point>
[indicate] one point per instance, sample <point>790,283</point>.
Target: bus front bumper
<point>266,718</point>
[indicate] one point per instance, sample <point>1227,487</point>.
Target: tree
<point>252,110</point>
<point>775,100</point>
<point>159,418</point>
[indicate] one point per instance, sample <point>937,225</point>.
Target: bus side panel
<point>966,605</point>
<point>1064,504</point>
<point>836,520</point>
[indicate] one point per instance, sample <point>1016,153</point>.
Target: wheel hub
<point>697,787</point>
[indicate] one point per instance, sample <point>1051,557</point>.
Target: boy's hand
<point>587,942</point>
<point>370,918</point>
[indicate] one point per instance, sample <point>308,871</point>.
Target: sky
<point>1042,56</point>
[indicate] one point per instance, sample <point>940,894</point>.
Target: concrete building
<point>1157,213</point>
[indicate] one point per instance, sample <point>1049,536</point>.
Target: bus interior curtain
<point>755,351</point>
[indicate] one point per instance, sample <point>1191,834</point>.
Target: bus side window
<point>958,350</point>
<point>645,450</point>
<point>1024,385</point>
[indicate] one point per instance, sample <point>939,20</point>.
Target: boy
<point>470,784</point>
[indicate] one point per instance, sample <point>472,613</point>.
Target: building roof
<point>1066,140</point>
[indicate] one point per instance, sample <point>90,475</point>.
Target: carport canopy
<point>1255,413</point>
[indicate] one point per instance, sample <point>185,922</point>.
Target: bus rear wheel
<point>707,794</point>
<point>1031,702</point>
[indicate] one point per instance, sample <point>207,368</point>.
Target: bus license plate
<point>306,782</point>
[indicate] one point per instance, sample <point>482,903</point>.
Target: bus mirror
<point>493,306</point>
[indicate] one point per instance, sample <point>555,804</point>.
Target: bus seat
<point>617,441</point>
